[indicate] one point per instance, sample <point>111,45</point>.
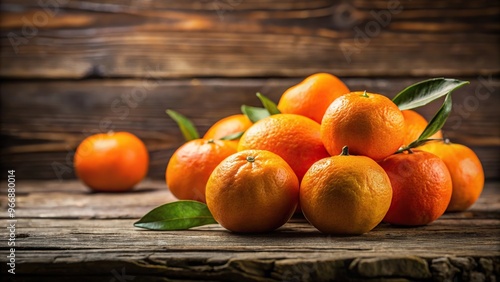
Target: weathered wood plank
<point>456,246</point>
<point>257,266</point>
<point>249,38</point>
<point>43,122</point>
<point>443,237</point>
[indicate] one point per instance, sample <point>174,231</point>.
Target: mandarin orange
<point>111,162</point>
<point>295,138</point>
<point>345,195</point>
<point>227,126</point>
<point>191,165</point>
<point>312,96</point>
<point>369,124</point>
<point>252,191</point>
<point>467,175</point>
<point>421,186</point>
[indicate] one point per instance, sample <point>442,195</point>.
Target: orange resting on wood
<point>252,191</point>
<point>111,162</point>
<point>421,186</point>
<point>345,195</point>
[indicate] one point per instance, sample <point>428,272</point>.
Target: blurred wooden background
<point>71,68</point>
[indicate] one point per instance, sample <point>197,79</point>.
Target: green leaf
<point>234,136</point>
<point>178,215</point>
<point>185,125</point>
<point>254,113</point>
<point>438,120</point>
<point>268,104</point>
<point>418,143</point>
<point>434,125</point>
<point>424,92</point>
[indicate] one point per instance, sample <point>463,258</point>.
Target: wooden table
<point>66,233</point>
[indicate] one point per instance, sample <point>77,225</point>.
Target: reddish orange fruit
<point>415,125</point>
<point>312,96</point>
<point>345,195</point>
<point>466,172</point>
<point>112,162</point>
<point>191,165</point>
<point>421,186</point>
<point>369,124</point>
<point>252,191</point>
<point>227,126</point>
<point>295,138</point>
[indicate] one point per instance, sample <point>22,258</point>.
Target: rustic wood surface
<point>43,122</point>
<point>245,38</point>
<point>73,68</point>
<point>65,231</point>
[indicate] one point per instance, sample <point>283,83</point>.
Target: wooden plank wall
<point>70,68</point>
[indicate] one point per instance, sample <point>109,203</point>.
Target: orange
<point>312,96</point>
<point>191,165</point>
<point>227,126</point>
<point>421,186</point>
<point>415,125</point>
<point>345,195</point>
<point>466,172</point>
<point>252,191</point>
<point>369,124</point>
<point>295,138</point>
<point>111,162</point>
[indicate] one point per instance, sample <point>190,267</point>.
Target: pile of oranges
<point>331,154</point>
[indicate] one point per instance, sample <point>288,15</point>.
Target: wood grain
<point>222,38</point>
<point>70,199</point>
<point>43,122</point>
<point>102,241</point>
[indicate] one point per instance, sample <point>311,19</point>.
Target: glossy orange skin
<point>467,174</point>
<point>252,196</point>
<point>421,186</point>
<point>227,126</point>
<point>312,96</point>
<point>295,138</point>
<point>414,126</point>
<point>111,162</point>
<point>345,195</point>
<point>191,164</point>
<point>371,126</point>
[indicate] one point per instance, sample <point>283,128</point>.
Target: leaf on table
<point>178,215</point>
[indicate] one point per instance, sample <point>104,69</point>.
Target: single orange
<point>421,186</point>
<point>466,172</point>
<point>369,124</point>
<point>345,195</point>
<point>415,125</point>
<point>111,162</point>
<point>295,138</point>
<point>252,191</point>
<point>191,165</point>
<point>227,126</point>
<point>312,96</point>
